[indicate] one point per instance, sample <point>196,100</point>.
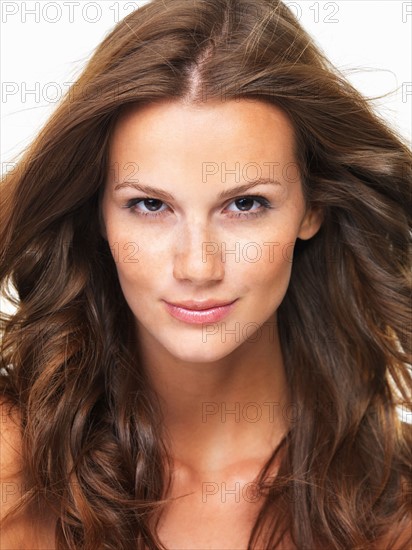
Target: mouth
<point>200,312</point>
<point>194,305</point>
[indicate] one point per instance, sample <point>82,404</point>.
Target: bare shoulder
<point>10,441</point>
<point>29,528</point>
<point>10,471</point>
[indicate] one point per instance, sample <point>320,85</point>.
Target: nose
<point>197,256</point>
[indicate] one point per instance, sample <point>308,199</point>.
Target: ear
<point>311,223</point>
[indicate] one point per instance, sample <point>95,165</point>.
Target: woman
<point>208,158</point>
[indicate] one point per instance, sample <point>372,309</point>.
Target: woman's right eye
<point>132,203</point>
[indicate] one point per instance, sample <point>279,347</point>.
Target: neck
<point>212,411</point>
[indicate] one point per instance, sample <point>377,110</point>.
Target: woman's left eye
<point>250,199</point>
<point>241,202</point>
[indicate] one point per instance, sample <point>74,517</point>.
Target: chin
<point>205,352</point>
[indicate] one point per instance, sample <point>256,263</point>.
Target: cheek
<point>266,264</point>
<point>270,271</point>
<point>140,260</point>
<point>140,277</point>
<point>122,240</point>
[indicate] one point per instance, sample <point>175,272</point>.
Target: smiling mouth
<point>200,315</point>
<point>192,305</point>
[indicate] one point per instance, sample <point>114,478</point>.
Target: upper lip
<point>205,304</point>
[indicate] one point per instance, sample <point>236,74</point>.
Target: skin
<point>199,373</point>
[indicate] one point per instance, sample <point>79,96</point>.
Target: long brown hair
<point>93,447</point>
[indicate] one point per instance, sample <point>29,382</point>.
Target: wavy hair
<point>93,448</point>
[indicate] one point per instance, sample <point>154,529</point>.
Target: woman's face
<point>189,242</point>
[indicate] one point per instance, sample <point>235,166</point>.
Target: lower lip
<point>197,317</point>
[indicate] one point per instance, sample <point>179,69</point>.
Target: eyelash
<point>265,204</point>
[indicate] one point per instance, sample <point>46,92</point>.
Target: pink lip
<point>199,316</point>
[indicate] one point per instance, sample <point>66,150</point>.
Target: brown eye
<point>246,203</point>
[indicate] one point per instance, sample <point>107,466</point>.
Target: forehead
<point>235,126</point>
<point>216,142</point>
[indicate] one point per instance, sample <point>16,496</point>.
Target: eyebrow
<point>222,195</point>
